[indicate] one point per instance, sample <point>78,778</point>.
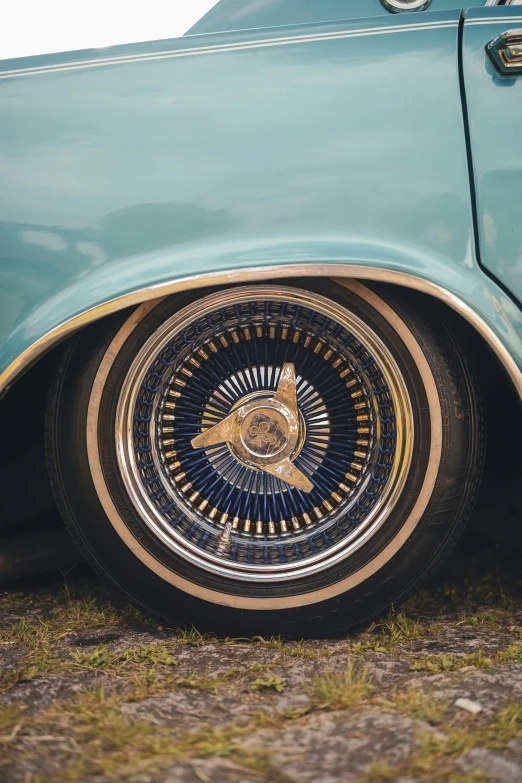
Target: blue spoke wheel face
<point>240,479</point>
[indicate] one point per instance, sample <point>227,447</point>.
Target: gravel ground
<point>91,690</point>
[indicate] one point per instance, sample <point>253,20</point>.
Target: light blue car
<point>269,277</point>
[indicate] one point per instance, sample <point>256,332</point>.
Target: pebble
<point>469,706</point>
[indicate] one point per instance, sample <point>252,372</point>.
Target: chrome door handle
<point>506,52</point>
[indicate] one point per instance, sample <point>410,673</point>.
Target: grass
<point>373,644</point>
<point>198,682</point>
<point>144,670</point>
<point>113,744</point>
<point>434,664</point>
<point>391,632</point>
<point>512,654</point>
<point>193,637</point>
<point>9,718</point>
<point>10,599</point>
<point>437,753</point>
<point>486,595</point>
<point>342,690</point>
<point>398,628</point>
<point>271,682</point>
<point>291,650</point>
<point>383,773</point>
<point>488,619</point>
<point>145,656</point>
<point>36,636</point>
<point>417,704</point>
<point>96,735</point>
<point>42,638</point>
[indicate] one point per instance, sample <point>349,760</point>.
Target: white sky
<point>41,26</point>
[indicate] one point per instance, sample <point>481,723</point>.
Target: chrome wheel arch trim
<point>338,271</point>
<point>287,602</point>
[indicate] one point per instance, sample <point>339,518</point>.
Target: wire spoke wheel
<point>266,459</point>
<point>283,492</point>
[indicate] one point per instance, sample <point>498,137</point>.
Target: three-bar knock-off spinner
<point>265,432</point>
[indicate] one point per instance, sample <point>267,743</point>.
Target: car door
<point>492,68</point>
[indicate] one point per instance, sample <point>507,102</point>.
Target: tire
<point>344,473</point>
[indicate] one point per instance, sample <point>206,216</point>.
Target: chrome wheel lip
<point>243,571</point>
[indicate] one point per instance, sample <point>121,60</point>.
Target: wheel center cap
<point>264,432</point>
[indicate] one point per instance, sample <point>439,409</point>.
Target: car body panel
<point>241,14</point>
<point>134,171</point>
<point>494,105</point>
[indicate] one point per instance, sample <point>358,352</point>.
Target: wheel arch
<point>475,298</point>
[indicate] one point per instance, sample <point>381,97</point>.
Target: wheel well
<point>27,500</point>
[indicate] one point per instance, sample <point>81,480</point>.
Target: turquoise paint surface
<point>241,14</point>
<point>495,120</point>
<point>348,150</point>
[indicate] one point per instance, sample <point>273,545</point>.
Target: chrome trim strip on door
<point>494,20</point>
<point>229,47</point>
<point>31,354</point>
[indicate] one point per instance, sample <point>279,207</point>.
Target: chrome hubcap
<point>264,433</point>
